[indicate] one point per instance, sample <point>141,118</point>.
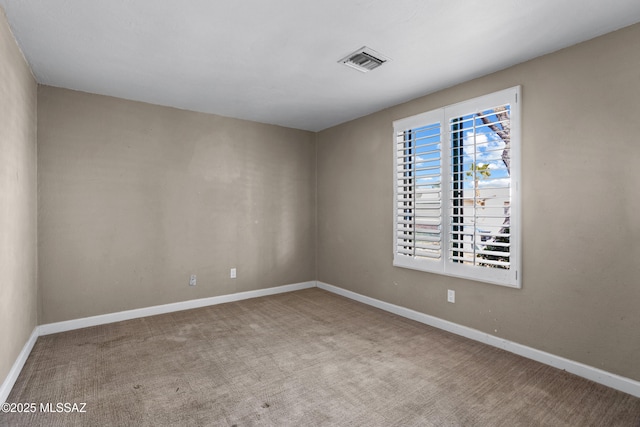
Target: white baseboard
<point>54,328</point>
<point>11,378</point>
<point>608,379</point>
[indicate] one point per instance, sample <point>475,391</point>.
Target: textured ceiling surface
<point>276,61</point>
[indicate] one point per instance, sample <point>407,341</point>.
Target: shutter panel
<point>480,188</point>
<point>419,192</point>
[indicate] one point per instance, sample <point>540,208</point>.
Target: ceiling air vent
<point>364,59</point>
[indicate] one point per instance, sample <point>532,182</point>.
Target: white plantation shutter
<point>418,197</point>
<point>456,201</point>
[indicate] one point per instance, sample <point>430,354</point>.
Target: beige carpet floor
<point>305,358</point>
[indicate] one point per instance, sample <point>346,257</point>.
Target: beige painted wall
<point>133,198</point>
<point>581,231</point>
<point>18,274</point>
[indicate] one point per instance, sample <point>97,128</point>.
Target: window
<point>456,204</point>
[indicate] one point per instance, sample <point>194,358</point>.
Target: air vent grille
<point>364,59</point>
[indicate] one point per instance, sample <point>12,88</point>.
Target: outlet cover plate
<point>451,296</point>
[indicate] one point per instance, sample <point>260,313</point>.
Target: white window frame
<point>510,277</point>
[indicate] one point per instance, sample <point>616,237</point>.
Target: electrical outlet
<point>192,280</point>
<point>232,274</point>
<point>451,296</point>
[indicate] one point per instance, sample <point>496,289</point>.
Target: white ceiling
<point>275,61</point>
